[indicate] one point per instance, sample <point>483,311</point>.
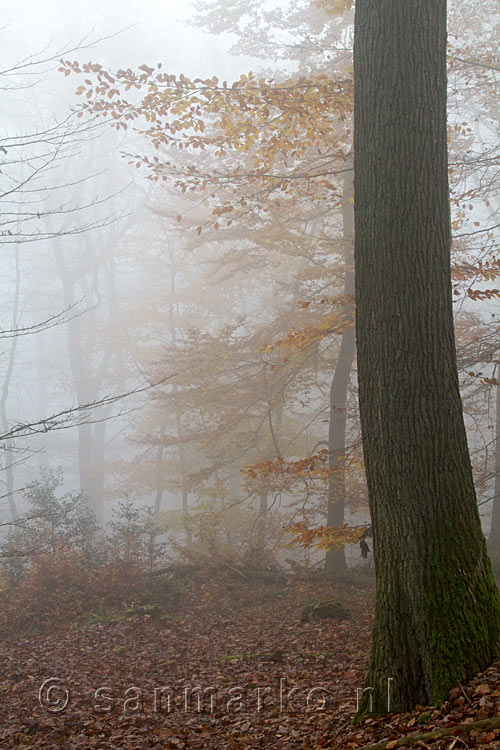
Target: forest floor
<point>238,646</point>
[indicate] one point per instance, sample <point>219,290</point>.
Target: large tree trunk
<point>437,616</point>
<point>335,557</point>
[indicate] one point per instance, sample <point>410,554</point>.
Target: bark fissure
<point>437,615</point>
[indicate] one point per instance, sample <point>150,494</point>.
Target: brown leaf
<point>483,689</point>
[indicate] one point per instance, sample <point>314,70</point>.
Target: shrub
<point>61,589</point>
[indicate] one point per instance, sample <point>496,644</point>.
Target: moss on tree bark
<point>437,614</point>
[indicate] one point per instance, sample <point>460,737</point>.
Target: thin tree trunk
<point>437,617</point>
<point>178,418</point>
<point>494,537</point>
<point>98,456</point>
<point>9,444</point>
<point>159,489</point>
<point>261,523</point>
<point>185,513</point>
<point>335,557</point>
<point>87,381</point>
<point>42,395</point>
<point>81,377</point>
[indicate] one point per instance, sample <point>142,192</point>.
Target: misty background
<point>106,286</point>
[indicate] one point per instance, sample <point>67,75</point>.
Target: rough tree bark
<point>437,616</point>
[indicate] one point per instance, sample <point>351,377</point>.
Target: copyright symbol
<point>53,695</point>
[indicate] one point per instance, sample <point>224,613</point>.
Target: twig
<point>235,570</point>
<point>412,739</point>
<point>465,694</point>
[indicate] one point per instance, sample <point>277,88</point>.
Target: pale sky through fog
<point>154,31</point>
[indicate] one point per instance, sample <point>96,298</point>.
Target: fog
<point>247,371</point>
<point>157,31</point>
<point>156,353</point>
